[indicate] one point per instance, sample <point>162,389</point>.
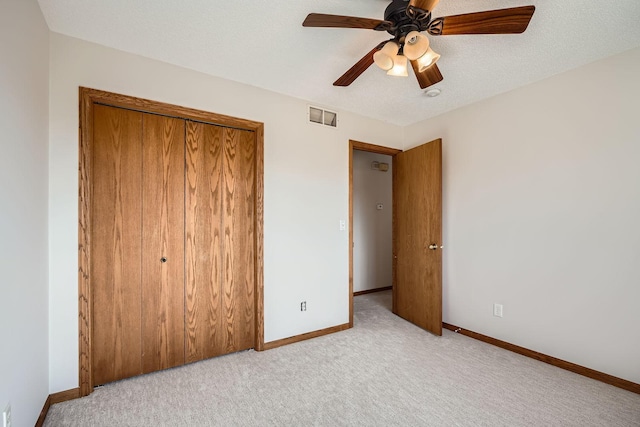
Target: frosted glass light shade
<point>415,45</point>
<point>427,60</point>
<point>384,57</point>
<point>399,67</point>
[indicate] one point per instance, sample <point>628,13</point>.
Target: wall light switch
<point>497,310</point>
<point>343,225</point>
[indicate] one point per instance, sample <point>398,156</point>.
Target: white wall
<point>306,188</point>
<point>540,199</point>
<point>541,214</point>
<point>24,100</point>
<point>372,250</point>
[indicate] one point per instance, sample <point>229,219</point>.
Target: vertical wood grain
<point>163,225</point>
<point>259,241</point>
<point>116,243</point>
<point>84,242</point>
<point>89,99</point>
<point>417,195</point>
<point>203,204</point>
<point>238,213</point>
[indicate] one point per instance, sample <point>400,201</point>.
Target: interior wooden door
<point>116,244</point>
<point>417,234</point>
<point>163,242</point>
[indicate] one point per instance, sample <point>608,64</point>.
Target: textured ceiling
<point>263,43</point>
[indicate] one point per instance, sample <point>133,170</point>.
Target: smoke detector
<point>432,93</point>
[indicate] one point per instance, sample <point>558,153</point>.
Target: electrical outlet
<point>497,310</point>
<point>6,416</point>
<point>303,306</point>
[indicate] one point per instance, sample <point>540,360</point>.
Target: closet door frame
<point>89,98</point>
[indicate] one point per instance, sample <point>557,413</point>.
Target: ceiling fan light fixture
<point>415,45</point>
<point>399,68</point>
<point>405,20</point>
<point>384,58</point>
<point>427,60</point>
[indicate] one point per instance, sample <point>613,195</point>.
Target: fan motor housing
<point>405,18</point>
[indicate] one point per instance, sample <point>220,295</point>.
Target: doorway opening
<point>372,222</point>
<point>370,219</point>
<point>416,232</point>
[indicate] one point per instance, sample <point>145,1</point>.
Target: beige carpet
<point>383,372</point>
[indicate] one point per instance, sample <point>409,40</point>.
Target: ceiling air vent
<point>323,117</point>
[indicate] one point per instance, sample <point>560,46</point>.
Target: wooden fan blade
<point>339,21</point>
<point>503,21</point>
<point>428,77</point>
<point>424,4</point>
<point>360,67</point>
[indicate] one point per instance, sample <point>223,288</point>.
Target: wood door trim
<point>259,240</point>
<point>559,363</point>
<point>87,99</point>
<point>171,110</point>
<point>371,148</point>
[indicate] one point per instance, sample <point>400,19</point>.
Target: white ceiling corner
<point>264,44</point>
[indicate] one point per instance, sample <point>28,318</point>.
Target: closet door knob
<point>163,259</point>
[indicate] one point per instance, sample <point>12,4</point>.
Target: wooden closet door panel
<point>115,244</point>
<point>238,221</point>
<point>203,201</point>
<point>163,238</point>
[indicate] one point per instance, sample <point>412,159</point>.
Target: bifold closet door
<point>203,204</point>
<point>239,239</point>
<point>137,243</point>
<point>116,244</point>
<point>220,240</point>
<point>172,244</point>
<point>163,242</point>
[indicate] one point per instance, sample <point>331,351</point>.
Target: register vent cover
<point>323,117</point>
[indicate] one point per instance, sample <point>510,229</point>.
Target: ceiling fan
<point>405,20</point>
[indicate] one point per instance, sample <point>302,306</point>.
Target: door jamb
<point>371,148</point>
<point>89,97</point>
